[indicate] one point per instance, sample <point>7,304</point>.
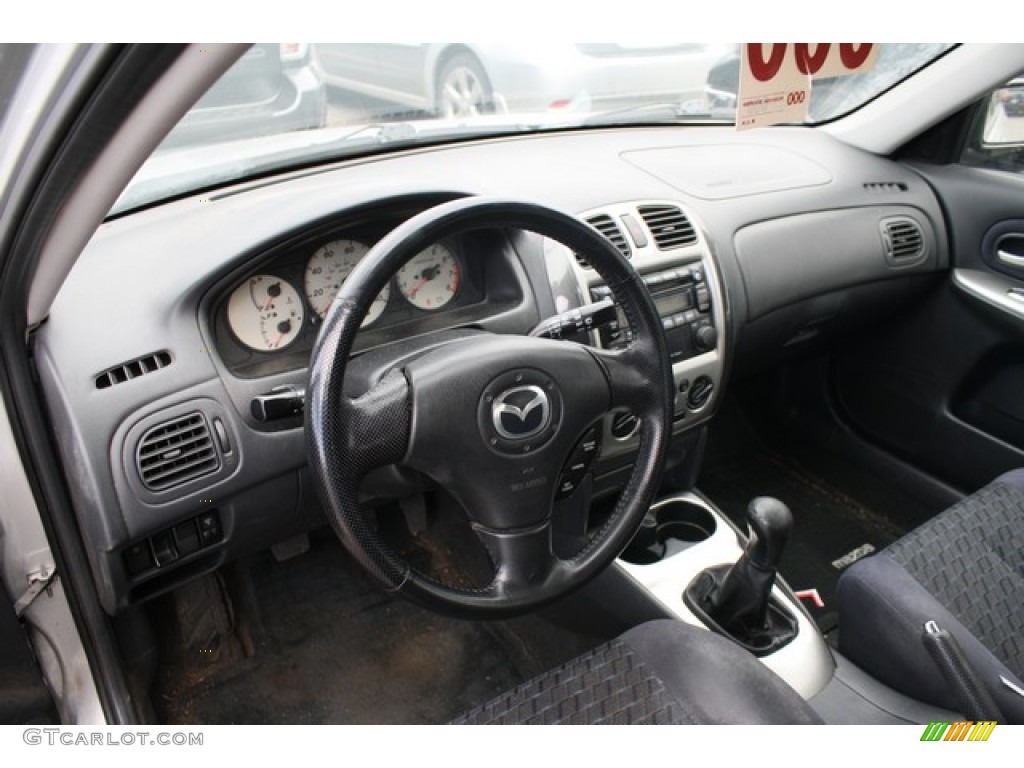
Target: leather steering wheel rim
<point>349,436</point>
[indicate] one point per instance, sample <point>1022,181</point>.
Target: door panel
<point>943,386</point>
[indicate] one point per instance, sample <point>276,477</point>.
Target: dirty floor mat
<point>321,643</point>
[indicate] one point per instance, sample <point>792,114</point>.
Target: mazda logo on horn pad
<point>521,412</point>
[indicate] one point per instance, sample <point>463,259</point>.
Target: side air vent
<point>140,366</point>
<point>175,452</point>
<point>606,225</point>
<point>669,226</point>
<point>903,240</point>
<point>885,186</point>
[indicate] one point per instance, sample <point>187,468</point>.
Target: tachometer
<point>329,267</point>
<point>265,313</point>
<point>430,279</point>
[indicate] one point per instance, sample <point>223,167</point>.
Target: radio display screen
<point>673,302</point>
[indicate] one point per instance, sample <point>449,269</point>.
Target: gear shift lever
<point>736,600</point>
<point>740,604</point>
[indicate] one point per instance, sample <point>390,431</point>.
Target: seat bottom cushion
<point>663,672</point>
<point>964,569</point>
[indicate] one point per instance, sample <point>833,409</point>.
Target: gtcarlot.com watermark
<point>63,737</point>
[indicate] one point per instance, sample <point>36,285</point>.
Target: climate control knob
<point>700,393</point>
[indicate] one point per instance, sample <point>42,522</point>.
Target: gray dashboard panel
<point>799,257</point>
<point>143,282</point>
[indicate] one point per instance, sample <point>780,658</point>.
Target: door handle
<point>998,292</point>
<point>1010,250</point>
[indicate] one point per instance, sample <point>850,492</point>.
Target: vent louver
<point>176,451</point>
<point>606,225</point>
<point>903,239</point>
<point>132,369</point>
<point>669,226</point>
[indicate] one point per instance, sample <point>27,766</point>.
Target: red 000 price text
<point>852,55</point>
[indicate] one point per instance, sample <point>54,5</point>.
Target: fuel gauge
<point>265,313</point>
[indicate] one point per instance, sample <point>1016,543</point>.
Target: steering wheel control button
<point>520,411</point>
<point>578,465</point>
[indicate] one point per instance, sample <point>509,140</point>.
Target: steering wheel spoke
<point>631,386</point>
<point>378,422</point>
<point>523,559</point>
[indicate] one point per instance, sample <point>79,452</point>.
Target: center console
<point>688,558</point>
<point>666,247</point>
<point>683,537</point>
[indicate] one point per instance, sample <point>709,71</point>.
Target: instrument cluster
<point>267,320</point>
<point>268,312</point>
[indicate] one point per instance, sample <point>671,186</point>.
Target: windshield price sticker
<point>776,78</point>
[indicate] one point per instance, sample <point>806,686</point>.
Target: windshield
<point>293,104</point>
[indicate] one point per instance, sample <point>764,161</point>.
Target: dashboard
<point>754,249</point>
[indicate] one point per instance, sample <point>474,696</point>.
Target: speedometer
<point>329,267</point>
<point>265,313</point>
<point>430,279</point>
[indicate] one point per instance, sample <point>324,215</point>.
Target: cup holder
<point>667,528</point>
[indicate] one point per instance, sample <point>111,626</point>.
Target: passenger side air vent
<point>903,240</point>
<point>176,451</point>
<point>606,225</point>
<point>669,226</point>
<point>140,366</point>
<point>885,186</point>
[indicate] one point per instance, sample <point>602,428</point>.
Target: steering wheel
<point>491,418</point>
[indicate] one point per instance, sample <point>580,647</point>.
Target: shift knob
<point>769,522</point>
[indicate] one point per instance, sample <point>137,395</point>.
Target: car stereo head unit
<point>683,300</point>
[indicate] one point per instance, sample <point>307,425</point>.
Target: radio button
<point>703,298</point>
<point>705,337</point>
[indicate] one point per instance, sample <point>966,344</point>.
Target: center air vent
<point>176,451</point>
<point>669,226</point>
<point>606,225</point>
<point>903,240</point>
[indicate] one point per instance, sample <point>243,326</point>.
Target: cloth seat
<point>964,569</point>
<point>661,672</point>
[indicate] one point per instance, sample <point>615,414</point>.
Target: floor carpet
<point>327,645</point>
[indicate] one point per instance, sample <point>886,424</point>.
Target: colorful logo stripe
<point>959,731</point>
